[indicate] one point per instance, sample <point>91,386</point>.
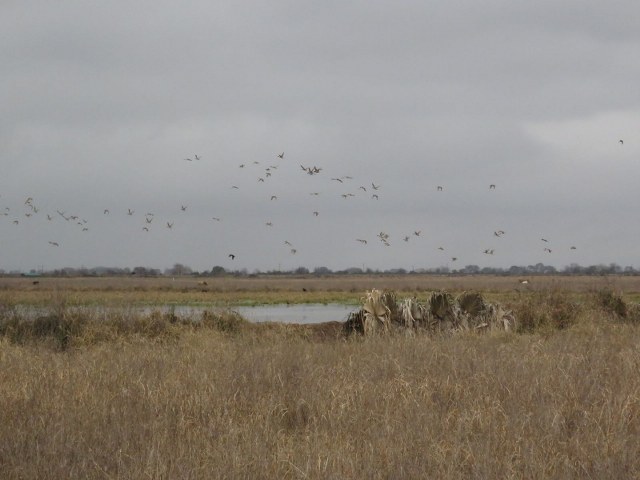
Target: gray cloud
<point>102,104</point>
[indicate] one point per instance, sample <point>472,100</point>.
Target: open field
<point>292,289</point>
<point>89,396</point>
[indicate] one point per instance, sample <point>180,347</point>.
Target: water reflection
<point>283,313</point>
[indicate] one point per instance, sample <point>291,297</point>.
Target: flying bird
<point>281,155</point>
<point>492,187</point>
<point>169,225</point>
<point>106,211</point>
<point>361,241</point>
<point>232,256</point>
<point>316,213</point>
<point>417,233</point>
<point>548,250</point>
<point>489,251</point>
<point>439,188</point>
<point>337,180</point>
<point>621,142</point>
<point>374,186</point>
<point>216,219</point>
<point>375,196</point>
<point>183,208</point>
<point>55,244</point>
<point>544,239</point>
<point>273,197</point>
<point>498,233</point>
<point>573,248</point>
<point>129,212</point>
<point>196,157</point>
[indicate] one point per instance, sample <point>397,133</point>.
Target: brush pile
<point>382,313</point>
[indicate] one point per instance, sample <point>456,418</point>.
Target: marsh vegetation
<point>133,396</point>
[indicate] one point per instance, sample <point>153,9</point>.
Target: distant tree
<point>179,269</point>
<point>218,270</point>
<point>322,271</point>
<point>301,271</point>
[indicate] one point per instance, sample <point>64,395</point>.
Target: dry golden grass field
<point>84,394</point>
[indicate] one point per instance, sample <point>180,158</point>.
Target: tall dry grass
<point>250,402</point>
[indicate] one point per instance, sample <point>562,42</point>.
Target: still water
<point>283,313</point>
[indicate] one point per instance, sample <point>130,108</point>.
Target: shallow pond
<point>283,313</point>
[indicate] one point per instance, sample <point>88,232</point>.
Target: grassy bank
<point>154,397</point>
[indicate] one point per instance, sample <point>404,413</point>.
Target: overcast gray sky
<point>103,102</point>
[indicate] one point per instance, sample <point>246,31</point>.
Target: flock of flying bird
<point>371,189</point>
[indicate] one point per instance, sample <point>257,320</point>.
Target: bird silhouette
<point>361,241</point>
<point>439,188</point>
<point>281,155</point>
<point>169,225</point>
<point>232,256</point>
<point>492,187</point>
<point>55,244</point>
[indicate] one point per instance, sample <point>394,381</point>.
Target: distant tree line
<point>179,269</point>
